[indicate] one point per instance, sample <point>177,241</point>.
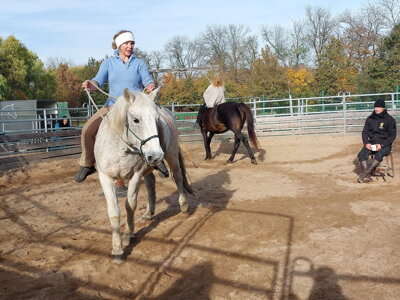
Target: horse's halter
<point>142,142</point>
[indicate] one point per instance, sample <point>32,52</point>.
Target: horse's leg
<point>150,181</point>
<point>245,142</point>
<point>235,148</point>
<point>174,164</point>
<point>107,184</point>
<point>130,205</point>
<point>207,142</point>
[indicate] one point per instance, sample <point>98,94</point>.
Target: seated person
<point>62,123</point>
<point>378,135</point>
<point>213,95</point>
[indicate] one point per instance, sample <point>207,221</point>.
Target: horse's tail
<point>250,125</point>
<point>186,185</point>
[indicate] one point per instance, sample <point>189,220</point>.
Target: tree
<point>320,28</point>
<point>361,34</point>
<point>231,47</point>
<point>54,61</point>
<point>299,49</point>
<point>22,74</point>
<point>214,45</point>
<point>277,38</point>
<point>4,88</point>
<point>68,86</point>
<point>389,11</point>
<point>300,81</point>
<point>267,77</point>
<point>383,71</point>
<point>237,37</point>
<point>289,46</point>
<point>142,55</point>
<point>335,72</point>
<point>183,53</point>
<point>251,53</point>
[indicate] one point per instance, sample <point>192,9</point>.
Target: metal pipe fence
<point>343,113</point>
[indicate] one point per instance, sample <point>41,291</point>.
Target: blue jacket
<point>133,75</point>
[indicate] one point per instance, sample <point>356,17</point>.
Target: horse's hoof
<point>229,161</point>
<point>146,218</point>
<point>117,259</point>
<point>126,240</point>
<point>185,209</point>
<point>253,161</point>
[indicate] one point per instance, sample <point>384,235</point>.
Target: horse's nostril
<point>149,158</point>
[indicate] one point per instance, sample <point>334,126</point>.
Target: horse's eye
<point>136,121</point>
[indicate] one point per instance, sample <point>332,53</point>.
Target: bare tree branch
<point>321,27</point>
<point>277,38</point>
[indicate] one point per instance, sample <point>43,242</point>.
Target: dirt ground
<point>295,226</point>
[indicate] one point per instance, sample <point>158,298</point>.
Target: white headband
<point>124,37</point>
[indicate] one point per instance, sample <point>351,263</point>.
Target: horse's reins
<point>142,142</point>
<point>132,149</point>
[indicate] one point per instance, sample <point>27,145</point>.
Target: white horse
<point>135,136</point>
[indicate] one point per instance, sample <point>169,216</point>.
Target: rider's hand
<point>368,146</point>
<point>378,147</point>
<point>90,85</point>
<point>150,87</point>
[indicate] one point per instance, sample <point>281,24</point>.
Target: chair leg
<point>391,164</point>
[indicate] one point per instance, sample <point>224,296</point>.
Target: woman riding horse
<point>122,70</point>
<point>213,95</point>
<point>216,116</point>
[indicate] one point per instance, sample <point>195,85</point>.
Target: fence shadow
<point>196,283</point>
<point>325,280</point>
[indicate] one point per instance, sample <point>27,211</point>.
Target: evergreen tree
<point>335,72</point>
<point>383,71</point>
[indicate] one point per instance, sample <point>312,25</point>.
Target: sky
<point>75,30</point>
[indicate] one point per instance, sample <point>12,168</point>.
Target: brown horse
<point>224,117</point>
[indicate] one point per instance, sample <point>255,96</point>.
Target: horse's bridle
<point>142,142</point>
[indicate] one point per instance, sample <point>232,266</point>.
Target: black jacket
<point>379,129</point>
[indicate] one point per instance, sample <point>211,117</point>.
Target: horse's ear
<point>153,94</point>
<point>128,95</point>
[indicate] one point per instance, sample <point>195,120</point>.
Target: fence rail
<point>341,114</point>
<point>20,149</point>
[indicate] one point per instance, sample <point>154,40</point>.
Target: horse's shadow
<point>189,286</point>
<point>209,193</point>
<point>226,146</point>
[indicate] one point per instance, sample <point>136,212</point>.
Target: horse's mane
<point>169,119</point>
<point>117,115</point>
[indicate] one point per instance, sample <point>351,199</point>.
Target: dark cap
<point>380,103</point>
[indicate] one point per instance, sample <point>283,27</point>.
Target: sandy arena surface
<point>295,226</point>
